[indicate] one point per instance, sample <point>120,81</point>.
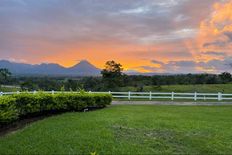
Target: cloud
<point>94,20</point>
<point>157,62</point>
<point>138,10</point>
<point>129,31</point>
<point>175,35</point>
<point>229,35</point>
<point>215,43</point>
<point>182,66</point>
<point>214,53</point>
<point>217,66</point>
<point>16,60</point>
<point>215,32</point>
<point>151,69</point>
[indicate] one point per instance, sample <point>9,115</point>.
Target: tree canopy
<point>5,74</point>
<point>112,75</point>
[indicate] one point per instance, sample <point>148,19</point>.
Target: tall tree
<point>5,75</point>
<point>112,75</point>
<point>225,77</point>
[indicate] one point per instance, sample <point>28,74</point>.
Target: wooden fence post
<point>150,97</point>
<point>172,96</point>
<point>129,95</point>
<point>219,96</point>
<point>195,96</point>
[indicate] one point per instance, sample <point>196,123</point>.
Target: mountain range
<point>83,68</point>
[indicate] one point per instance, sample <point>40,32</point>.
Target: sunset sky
<point>174,36</point>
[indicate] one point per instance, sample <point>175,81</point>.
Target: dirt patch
<point>164,134</point>
<point>158,139</point>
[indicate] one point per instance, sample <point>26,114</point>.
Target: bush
<point>33,103</point>
<point>102,100</point>
<point>8,110</point>
<point>26,104</point>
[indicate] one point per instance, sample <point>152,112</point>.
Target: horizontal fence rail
<point>147,95</point>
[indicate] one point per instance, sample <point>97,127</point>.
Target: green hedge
<point>13,107</point>
<point>8,110</point>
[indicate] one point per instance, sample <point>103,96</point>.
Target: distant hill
<point>149,74</point>
<point>83,68</point>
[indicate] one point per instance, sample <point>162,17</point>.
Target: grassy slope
<point>128,130</point>
<point>210,88</point>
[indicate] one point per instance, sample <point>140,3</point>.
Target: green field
<point>9,89</point>
<point>128,129</point>
<point>207,88</point>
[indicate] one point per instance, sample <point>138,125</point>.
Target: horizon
<point>124,71</point>
<point>150,36</point>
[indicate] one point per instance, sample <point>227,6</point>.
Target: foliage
<point>93,153</point>
<point>8,110</point>
<point>200,88</point>
<point>112,79</point>
<point>81,91</point>
<point>9,89</point>
<point>225,77</point>
<point>117,83</point>
<point>112,75</point>
<point>62,88</point>
<point>29,104</point>
<point>5,75</point>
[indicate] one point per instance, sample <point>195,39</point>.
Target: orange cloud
<point>215,33</point>
<point>124,32</point>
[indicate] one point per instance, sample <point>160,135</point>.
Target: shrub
<point>8,110</point>
<point>45,101</point>
<point>27,104</point>
<point>102,100</point>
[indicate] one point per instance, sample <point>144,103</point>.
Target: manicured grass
<point>128,129</point>
<point>206,88</point>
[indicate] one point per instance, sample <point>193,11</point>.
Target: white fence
<point>150,95</point>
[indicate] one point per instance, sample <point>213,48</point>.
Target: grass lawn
<point>128,129</point>
<point>9,89</point>
<point>201,88</point>
<point>207,88</point>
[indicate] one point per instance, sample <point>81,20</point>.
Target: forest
<point>112,79</point>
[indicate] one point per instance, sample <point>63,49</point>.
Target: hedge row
<point>13,107</point>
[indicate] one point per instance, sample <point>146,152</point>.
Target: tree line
<point>112,79</point>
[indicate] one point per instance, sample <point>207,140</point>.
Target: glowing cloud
<point>132,32</point>
<point>215,33</point>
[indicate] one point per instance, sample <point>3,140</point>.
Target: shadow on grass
<point>28,119</point>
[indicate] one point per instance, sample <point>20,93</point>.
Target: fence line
<point>148,95</point>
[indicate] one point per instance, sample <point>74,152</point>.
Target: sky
<point>165,36</point>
